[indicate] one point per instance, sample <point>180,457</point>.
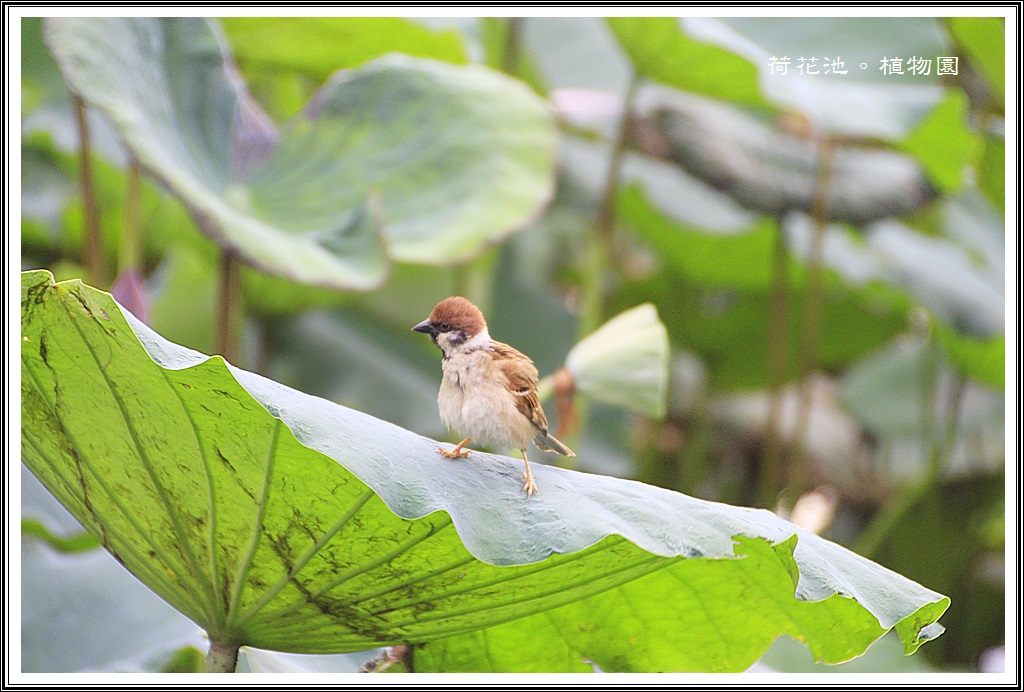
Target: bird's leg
<point>457,451</point>
<point>530,486</point>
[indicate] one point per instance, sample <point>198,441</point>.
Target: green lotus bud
<point>625,362</point>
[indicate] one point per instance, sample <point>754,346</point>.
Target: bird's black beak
<point>425,327</point>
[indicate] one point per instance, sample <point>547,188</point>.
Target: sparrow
<point>488,389</point>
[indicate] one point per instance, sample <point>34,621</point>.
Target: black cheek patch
<point>457,337</point>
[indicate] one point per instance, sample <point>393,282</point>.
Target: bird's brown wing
<point>521,379</point>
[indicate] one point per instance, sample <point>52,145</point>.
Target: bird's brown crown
<point>460,314</point>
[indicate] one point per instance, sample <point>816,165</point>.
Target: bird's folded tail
<point>549,444</point>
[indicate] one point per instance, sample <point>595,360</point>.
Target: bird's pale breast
<point>474,402</point>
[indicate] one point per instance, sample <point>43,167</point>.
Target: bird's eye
<point>444,327</point>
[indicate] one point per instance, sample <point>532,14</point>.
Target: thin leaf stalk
<point>130,256</point>
<point>231,316</point>
<point>511,46</point>
<point>773,467</point>
<point>812,315</point>
<point>92,249</point>
<point>263,344</point>
<point>602,247</point>
<point>597,257</point>
<point>929,411</point>
<point>940,460</point>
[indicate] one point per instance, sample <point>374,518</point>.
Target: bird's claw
<point>457,452</point>
<point>530,486</point>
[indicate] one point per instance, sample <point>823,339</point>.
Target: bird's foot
<point>456,452</point>
<point>530,486</point>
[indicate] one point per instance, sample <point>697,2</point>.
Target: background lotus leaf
<point>418,160</point>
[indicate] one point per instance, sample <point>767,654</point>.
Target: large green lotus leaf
<point>279,520</point>
<point>441,159</point>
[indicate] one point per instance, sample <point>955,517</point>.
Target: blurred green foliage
<point>905,317</point>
